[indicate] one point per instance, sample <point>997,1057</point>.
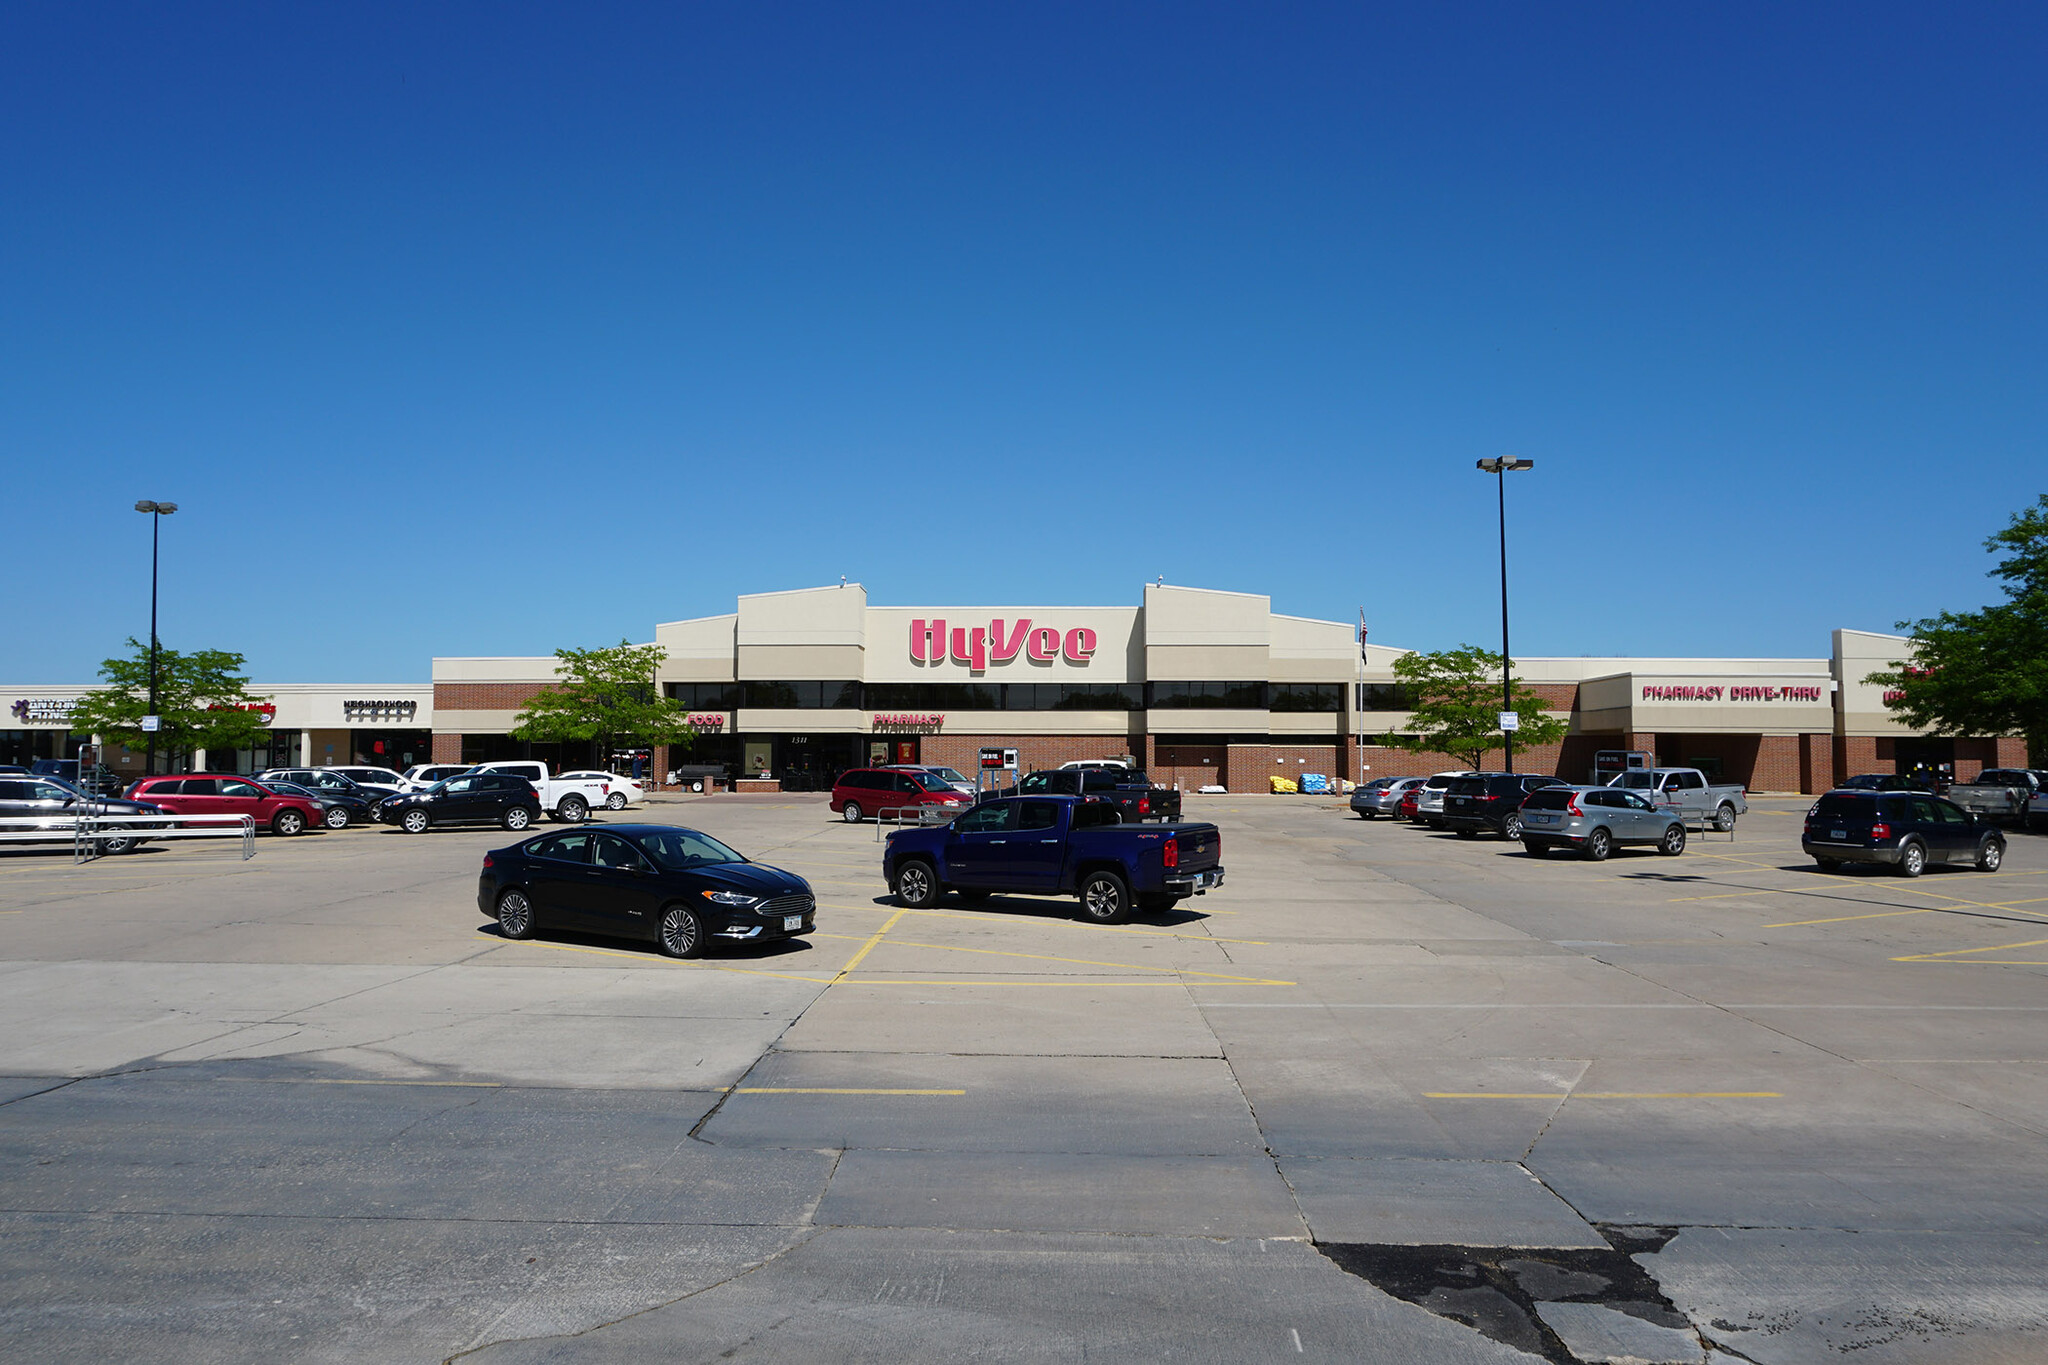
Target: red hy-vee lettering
<point>1001,640</point>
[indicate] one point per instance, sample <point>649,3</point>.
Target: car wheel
<point>917,884</point>
<point>1536,848</point>
<point>288,822</point>
<point>119,843</point>
<point>518,818</point>
<point>682,933</point>
<point>1105,899</point>
<point>1724,819</point>
<point>415,821</point>
<point>851,813</point>
<point>1158,904</point>
<point>337,818</point>
<point>1673,842</point>
<point>1912,859</point>
<point>1511,828</point>
<point>616,801</point>
<point>573,809</point>
<point>376,810</point>
<point>1828,864</point>
<point>1365,815</point>
<point>515,915</point>
<point>1990,854</point>
<point>1598,845</point>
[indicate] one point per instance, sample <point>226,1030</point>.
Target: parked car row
<point>1650,806</point>
<point>1870,818</point>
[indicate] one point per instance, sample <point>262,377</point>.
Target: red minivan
<point>227,794</point>
<point>863,792</point>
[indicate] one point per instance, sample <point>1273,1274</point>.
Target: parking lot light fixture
<point>1500,467</point>
<point>156,511</point>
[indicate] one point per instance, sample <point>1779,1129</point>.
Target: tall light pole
<point>1499,469</point>
<point>157,511</point>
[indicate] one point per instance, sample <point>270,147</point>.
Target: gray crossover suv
<point>1595,821</point>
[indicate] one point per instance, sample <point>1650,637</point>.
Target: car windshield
<point>682,849</point>
<point>950,774</point>
<point>931,782</point>
<point>1639,781</point>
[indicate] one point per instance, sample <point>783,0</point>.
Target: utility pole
<point>1499,469</point>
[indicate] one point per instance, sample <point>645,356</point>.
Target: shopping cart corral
<point>95,836</point>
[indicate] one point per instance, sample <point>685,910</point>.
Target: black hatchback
<point>680,888</point>
<point>1904,830</point>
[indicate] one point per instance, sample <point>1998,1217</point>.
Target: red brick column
<point>1816,763</point>
<point>2012,752</point>
<point>1777,764</point>
<point>1857,754</point>
<point>447,747</point>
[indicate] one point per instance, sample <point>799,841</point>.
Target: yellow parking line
<point>1603,1095</point>
<point>1732,895</point>
<point>869,946</point>
<point>1844,919</point>
<point>1957,956</point>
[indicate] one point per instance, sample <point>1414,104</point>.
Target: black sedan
<point>338,809</point>
<point>471,799</point>
<point>680,888</point>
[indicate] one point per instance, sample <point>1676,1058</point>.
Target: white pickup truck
<point>569,798</point>
<point>1687,793</point>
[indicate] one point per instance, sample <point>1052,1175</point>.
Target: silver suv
<point>1429,807</point>
<point>1595,821</point>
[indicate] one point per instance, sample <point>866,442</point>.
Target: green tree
<point>610,695</point>
<point>203,701</point>
<point>1457,706</point>
<point>1984,672</point>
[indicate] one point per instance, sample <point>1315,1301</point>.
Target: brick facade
<point>1033,751</point>
<point>482,696</point>
<point>447,748</point>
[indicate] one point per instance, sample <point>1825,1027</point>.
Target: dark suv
<point>1490,801</point>
<point>1883,782</point>
<point>1907,831</point>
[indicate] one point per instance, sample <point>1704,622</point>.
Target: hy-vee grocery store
<point>1204,688</point>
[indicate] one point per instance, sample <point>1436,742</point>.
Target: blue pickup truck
<point>1056,846</point>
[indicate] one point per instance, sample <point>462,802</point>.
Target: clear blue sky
<point>487,329</point>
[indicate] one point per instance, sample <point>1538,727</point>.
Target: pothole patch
<point>1579,1307</point>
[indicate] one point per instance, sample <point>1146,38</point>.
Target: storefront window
<point>1385,697</point>
<point>1214,696</point>
<point>1308,696</point>
<point>803,695</point>
<point>713,696</point>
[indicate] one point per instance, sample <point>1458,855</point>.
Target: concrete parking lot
<point>1388,1096</point>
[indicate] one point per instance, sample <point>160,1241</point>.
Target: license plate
<point>792,921</point>
<point>1539,819</point>
<point>1838,834</point>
